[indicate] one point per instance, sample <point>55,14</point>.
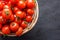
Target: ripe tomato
<point>0,26</point>
<point>1,5</point>
<point>5,29</point>
<point>9,4</point>
<point>30,3</point>
<point>6,13</point>
<point>15,9</point>
<point>6,7</point>
<point>6,0</point>
<point>21,4</point>
<point>19,31</point>
<point>20,14</point>
<point>12,17</point>
<point>2,20</point>
<point>24,13</point>
<point>18,20</point>
<point>24,24</point>
<point>13,2</point>
<point>14,26</point>
<point>30,11</point>
<point>28,18</point>
<point>0,13</point>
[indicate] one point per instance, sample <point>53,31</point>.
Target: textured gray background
<point>48,25</point>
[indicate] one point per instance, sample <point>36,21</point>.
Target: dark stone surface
<point>48,25</point>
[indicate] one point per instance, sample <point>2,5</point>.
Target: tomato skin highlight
<point>14,26</point>
<point>19,31</point>
<point>6,30</point>
<point>15,9</point>
<point>30,12</point>
<point>30,4</point>
<point>6,7</point>
<point>21,4</point>
<point>20,14</point>
<point>28,18</point>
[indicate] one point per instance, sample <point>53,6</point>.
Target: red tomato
<point>14,26</point>
<point>9,4</point>
<point>20,14</point>
<point>19,31</point>
<point>13,2</point>
<point>28,18</point>
<point>1,5</point>
<point>24,13</point>
<point>0,13</point>
<point>30,3</point>
<point>18,20</point>
<point>0,26</point>
<point>30,11</point>
<point>6,7</point>
<point>24,24</point>
<point>12,17</point>
<point>6,0</point>
<point>6,30</point>
<point>21,4</point>
<point>6,13</point>
<point>15,9</point>
<point>2,20</point>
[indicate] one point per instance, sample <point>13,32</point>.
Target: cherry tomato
<point>21,4</point>
<point>0,13</point>
<point>0,26</point>
<point>13,2</point>
<point>6,13</point>
<point>24,13</point>
<point>15,9</point>
<point>9,4</point>
<point>24,24</point>
<point>6,0</point>
<point>12,17</point>
<point>30,11</point>
<point>14,26</point>
<point>30,3</point>
<point>20,14</point>
<point>1,5</point>
<point>2,20</point>
<point>5,29</point>
<point>6,7</point>
<point>18,20</point>
<point>19,31</point>
<point>28,18</point>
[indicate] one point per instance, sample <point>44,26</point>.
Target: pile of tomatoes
<point>15,15</point>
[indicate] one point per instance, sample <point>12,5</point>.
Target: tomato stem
<point>35,1</point>
<point>7,12</point>
<point>18,18</point>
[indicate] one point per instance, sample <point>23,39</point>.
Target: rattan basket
<point>32,24</point>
